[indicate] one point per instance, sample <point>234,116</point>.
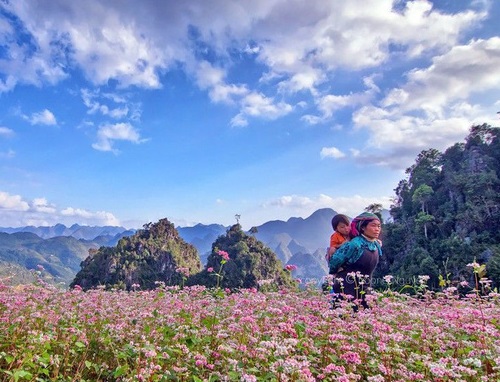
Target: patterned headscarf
<point>358,220</point>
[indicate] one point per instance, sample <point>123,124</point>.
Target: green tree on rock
<point>250,262</point>
<point>154,254</point>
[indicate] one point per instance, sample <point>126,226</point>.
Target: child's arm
<point>331,251</point>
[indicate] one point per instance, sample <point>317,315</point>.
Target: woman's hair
<point>339,218</point>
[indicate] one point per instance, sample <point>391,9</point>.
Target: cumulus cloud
<point>435,107</point>
<point>12,202</point>
<point>453,76</point>
<point>6,132</point>
<point>300,43</point>
<point>106,218</point>
<point>41,205</point>
<point>297,205</point>
<point>109,133</point>
<point>324,59</point>
<point>112,105</point>
<point>331,152</point>
<point>258,105</point>
<point>18,212</point>
<point>44,117</point>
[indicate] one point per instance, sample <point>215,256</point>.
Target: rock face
<point>250,263</point>
<point>154,254</point>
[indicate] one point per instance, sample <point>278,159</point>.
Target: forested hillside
<point>154,254</point>
<point>23,253</point>
<point>446,213</point>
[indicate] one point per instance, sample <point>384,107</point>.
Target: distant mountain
<point>76,231</point>
<point>308,234</point>
<point>109,240</point>
<point>60,256</point>
<point>202,237</point>
<point>301,242</point>
<point>311,268</point>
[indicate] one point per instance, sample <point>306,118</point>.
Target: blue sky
<point>118,112</point>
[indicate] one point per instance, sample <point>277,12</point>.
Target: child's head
<point>340,223</point>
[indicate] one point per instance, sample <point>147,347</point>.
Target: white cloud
<point>328,104</point>
<point>303,206</point>
<point>12,202</point>
<point>119,109</point>
<point>311,119</point>
<point>207,75</point>
<point>6,132</point>
<point>227,93</point>
<point>41,205</point>
<point>239,121</point>
<point>307,79</point>
<point>17,212</point>
<point>257,105</point>
<point>8,84</point>
<point>355,34</point>
<point>300,42</point>
<point>452,77</point>
<point>99,217</point>
<point>331,152</point>
<point>293,201</point>
<point>435,107</point>
<point>45,117</point>
<point>108,133</point>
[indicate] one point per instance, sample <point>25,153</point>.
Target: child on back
<point>341,227</point>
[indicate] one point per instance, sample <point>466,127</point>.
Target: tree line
<point>446,213</point>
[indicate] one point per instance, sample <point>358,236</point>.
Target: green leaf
<point>22,374</point>
<point>120,370</point>
<point>300,328</point>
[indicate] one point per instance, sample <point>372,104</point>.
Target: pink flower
<point>183,271</point>
<point>290,267</point>
<point>351,357</point>
<point>224,255</point>
<point>210,269</point>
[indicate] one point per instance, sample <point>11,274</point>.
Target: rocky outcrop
<point>154,254</point>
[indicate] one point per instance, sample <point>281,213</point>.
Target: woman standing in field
<point>354,262</point>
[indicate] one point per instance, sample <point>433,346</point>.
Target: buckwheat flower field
<point>194,334</point>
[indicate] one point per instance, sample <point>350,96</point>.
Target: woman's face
<point>373,229</point>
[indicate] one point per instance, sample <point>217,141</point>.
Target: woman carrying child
<point>354,262</point>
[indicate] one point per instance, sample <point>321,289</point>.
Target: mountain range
<point>60,249</point>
